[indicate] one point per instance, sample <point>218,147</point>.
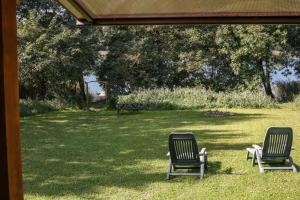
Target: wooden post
<point>11,185</point>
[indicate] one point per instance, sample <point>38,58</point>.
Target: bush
<point>297,100</point>
<point>33,107</point>
<point>191,98</point>
<point>285,91</point>
<point>112,103</point>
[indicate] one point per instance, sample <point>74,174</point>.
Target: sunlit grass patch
<point>103,155</point>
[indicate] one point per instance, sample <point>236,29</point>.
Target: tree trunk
<point>82,95</point>
<point>268,83</point>
<point>266,80</point>
<point>82,88</point>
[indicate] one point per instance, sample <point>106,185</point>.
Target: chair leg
<point>202,170</point>
<point>206,162</point>
<point>292,164</point>
<point>202,166</point>
<point>169,170</point>
<point>254,158</point>
<point>247,155</point>
<point>260,165</point>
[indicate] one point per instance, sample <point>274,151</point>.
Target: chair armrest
<point>256,147</point>
<point>168,154</point>
<point>202,152</point>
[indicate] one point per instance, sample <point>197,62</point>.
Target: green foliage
<point>285,91</point>
<point>54,58</point>
<point>218,57</point>
<point>54,55</point>
<point>140,56</point>
<point>192,98</point>
<point>33,107</point>
<point>293,41</point>
<point>200,55</point>
<point>297,100</point>
<point>112,103</point>
<point>164,56</point>
<point>255,51</point>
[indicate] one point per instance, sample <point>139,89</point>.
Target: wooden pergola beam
<point>130,15</point>
<point>193,20</point>
<point>11,184</point>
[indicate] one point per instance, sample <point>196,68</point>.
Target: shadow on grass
<point>79,152</point>
<point>215,168</point>
<point>124,113</point>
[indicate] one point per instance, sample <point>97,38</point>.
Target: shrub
<point>111,103</point>
<point>191,98</point>
<point>285,91</point>
<point>33,107</point>
<point>297,100</point>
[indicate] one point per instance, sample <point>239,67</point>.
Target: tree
<point>200,56</point>
<point>255,51</point>
<point>293,41</point>
<point>55,54</point>
<point>144,56</point>
<point>53,58</point>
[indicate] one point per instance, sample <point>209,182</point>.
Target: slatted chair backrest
<point>278,142</point>
<point>183,148</point>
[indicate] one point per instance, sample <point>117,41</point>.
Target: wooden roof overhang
<point>126,12</point>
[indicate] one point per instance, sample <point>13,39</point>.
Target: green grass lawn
<point>101,155</point>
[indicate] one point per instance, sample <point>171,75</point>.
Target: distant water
<point>94,87</point>
<point>286,75</point>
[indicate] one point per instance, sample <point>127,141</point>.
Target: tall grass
<point>285,91</point>
<point>192,98</point>
<point>297,100</point>
<point>33,107</point>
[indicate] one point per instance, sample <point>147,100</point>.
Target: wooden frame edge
<point>11,184</point>
<point>78,7</point>
<point>193,20</point>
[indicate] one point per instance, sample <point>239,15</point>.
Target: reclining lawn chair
<point>276,150</point>
<point>183,154</point>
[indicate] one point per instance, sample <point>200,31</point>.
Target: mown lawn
<point>101,155</point>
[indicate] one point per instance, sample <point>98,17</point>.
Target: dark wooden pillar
<point>11,185</point>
